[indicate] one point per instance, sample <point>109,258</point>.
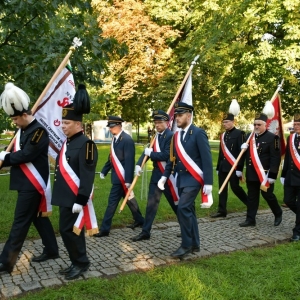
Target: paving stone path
<point>117,254</point>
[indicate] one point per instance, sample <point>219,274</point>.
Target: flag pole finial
<point>75,44</point>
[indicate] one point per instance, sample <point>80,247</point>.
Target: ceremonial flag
<point>185,95</point>
<point>49,111</point>
<point>274,125</point>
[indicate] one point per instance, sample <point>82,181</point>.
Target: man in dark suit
<point>262,165</point>
<point>121,162</point>
<point>290,176</point>
<point>159,158</point>
<point>73,183</point>
<point>230,148</point>
<point>28,160</point>
<point>193,166</point>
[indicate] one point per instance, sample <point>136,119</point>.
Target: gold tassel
<point>92,231</point>
<point>76,230</point>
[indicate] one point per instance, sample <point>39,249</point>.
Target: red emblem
<point>56,122</point>
<point>64,102</point>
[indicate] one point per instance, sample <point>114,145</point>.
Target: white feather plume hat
<point>14,100</point>
<point>267,113</point>
<point>234,110</point>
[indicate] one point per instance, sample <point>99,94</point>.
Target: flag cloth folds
<point>274,125</point>
<point>186,96</point>
<point>49,112</point>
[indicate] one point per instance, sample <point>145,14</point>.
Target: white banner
<point>49,112</point>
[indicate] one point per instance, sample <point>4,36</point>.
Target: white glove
<point>3,154</point>
<point>128,185</point>
<point>148,151</point>
<point>161,182</point>
<point>271,180</point>
<point>282,180</point>
<point>207,189</point>
<point>244,146</point>
<point>102,176</point>
<point>77,208</point>
<point>239,173</point>
<point>138,170</point>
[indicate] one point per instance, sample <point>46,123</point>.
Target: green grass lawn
<point>260,274</point>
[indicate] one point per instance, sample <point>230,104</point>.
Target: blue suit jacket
<point>125,152</point>
<point>164,155</point>
<point>197,147</point>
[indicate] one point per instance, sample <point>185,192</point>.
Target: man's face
<point>20,121</point>
<point>70,127</point>
<point>183,120</point>
<point>259,126</point>
<point>297,127</point>
<point>228,124</point>
<point>160,126</point>
<point>115,130</point>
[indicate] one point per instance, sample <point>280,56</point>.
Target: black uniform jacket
<point>82,156</point>
<point>34,143</point>
<point>233,139</point>
<point>164,144</point>
<point>197,147</point>
<point>290,171</point>
<point>268,150</point>
<point>125,152</point>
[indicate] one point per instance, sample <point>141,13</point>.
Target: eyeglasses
<point>257,124</point>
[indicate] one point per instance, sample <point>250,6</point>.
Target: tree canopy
<point>135,53</point>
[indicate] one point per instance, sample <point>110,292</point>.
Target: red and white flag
<point>274,125</point>
<point>49,112</point>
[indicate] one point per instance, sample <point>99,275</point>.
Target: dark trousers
<point>75,244</point>
<point>235,187</point>
<point>154,196</point>
<point>115,195</point>
<point>26,213</point>
<point>186,215</point>
<point>291,199</point>
<point>253,200</point>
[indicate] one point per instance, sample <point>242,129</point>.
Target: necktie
<point>115,140</point>
<point>181,137</point>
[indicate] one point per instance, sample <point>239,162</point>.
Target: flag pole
<point>153,140</point>
<point>247,142</point>
<point>75,44</point>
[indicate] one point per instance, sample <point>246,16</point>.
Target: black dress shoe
<point>140,237</point>
<point>195,249</point>
<point>135,225</point>
<point>295,238</point>
<point>75,272</point>
<point>218,215</point>
<point>65,271</point>
<point>101,234</point>
<point>181,252</point>
<point>247,224</point>
<point>44,257</point>
<point>3,268</point>
<point>278,220</point>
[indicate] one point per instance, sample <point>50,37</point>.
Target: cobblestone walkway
<point>118,254</point>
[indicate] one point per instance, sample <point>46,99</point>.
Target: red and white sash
<point>87,216</point>
<point>229,157</point>
<point>119,169</point>
<point>191,166</point>
<point>38,182</point>
<point>294,153</point>
<point>172,180</point>
<point>263,178</point>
